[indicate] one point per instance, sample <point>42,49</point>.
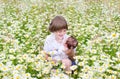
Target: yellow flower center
<point>113,35</point>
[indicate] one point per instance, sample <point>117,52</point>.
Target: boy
<point>56,39</point>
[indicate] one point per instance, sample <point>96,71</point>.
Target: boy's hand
<point>46,56</point>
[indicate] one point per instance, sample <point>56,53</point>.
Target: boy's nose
<point>62,33</point>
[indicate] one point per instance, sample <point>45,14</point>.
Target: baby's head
<point>71,42</point>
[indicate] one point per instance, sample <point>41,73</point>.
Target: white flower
<point>117,66</point>
<point>55,77</point>
<point>25,56</point>
<point>63,66</point>
<point>18,67</point>
<point>29,60</point>
<point>5,68</point>
<point>46,70</point>
<point>101,69</point>
<point>9,63</point>
<point>112,77</point>
<point>2,56</point>
<point>79,57</point>
<point>6,77</point>
<point>11,50</point>
<point>27,75</point>
<point>114,35</point>
<point>73,67</point>
<point>118,54</point>
<point>93,58</point>
<point>86,68</point>
<point>11,57</point>
<point>86,76</point>
<point>81,63</point>
<point>1,64</point>
<point>96,64</point>
<point>16,76</point>
<point>15,71</point>
<point>60,76</point>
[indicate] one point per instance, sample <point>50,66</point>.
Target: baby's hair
<point>71,42</point>
<point>58,23</point>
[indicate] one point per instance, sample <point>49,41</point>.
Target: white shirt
<point>53,48</point>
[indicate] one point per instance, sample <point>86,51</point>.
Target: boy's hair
<point>71,42</point>
<point>58,23</point>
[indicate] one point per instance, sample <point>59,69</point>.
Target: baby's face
<point>71,42</point>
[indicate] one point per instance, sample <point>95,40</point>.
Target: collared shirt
<point>53,48</point>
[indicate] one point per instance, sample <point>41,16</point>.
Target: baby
<point>65,51</point>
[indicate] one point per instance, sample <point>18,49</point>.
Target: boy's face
<point>60,33</point>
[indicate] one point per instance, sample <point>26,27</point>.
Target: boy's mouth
<point>61,37</point>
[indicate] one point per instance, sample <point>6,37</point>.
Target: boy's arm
<point>47,48</point>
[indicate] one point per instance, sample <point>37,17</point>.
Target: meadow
<point>24,27</point>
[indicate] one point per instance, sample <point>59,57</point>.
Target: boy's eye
<point>59,31</point>
<point>64,30</point>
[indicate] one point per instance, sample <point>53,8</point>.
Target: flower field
<point>24,27</point>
